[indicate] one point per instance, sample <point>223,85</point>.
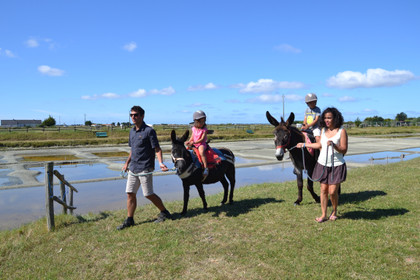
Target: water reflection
<point>19,206</point>
<point>74,172</point>
<point>381,157</point>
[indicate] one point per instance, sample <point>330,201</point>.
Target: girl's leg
<point>202,155</point>
<point>333,192</point>
<point>324,201</point>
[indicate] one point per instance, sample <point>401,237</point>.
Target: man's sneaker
<point>127,223</point>
<point>164,215</point>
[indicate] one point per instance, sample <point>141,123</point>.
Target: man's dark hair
<point>338,119</point>
<point>138,109</point>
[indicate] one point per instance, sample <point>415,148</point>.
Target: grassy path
<point>261,236</point>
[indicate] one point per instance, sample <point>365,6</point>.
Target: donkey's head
<point>181,157</point>
<point>282,134</point>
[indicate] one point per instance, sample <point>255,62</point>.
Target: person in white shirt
<point>331,169</point>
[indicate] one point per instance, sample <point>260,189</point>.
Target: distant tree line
<point>399,118</point>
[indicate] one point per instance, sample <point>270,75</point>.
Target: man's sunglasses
<point>134,115</point>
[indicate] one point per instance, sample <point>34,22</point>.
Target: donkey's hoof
<point>297,203</point>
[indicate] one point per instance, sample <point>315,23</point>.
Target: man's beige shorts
<point>134,182</point>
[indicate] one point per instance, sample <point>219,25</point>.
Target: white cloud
<point>293,97</point>
<point>7,53</point>
<point>136,94</point>
<point>208,86</point>
<point>287,48</point>
<point>164,91</point>
<point>139,93</point>
<point>268,85</point>
<point>275,98</point>
<point>130,46</point>
<point>36,42</point>
<point>372,78</point>
<point>47,70</point>
<point>108,95</point>
<point>32,43</point>
<point>347,99</point>
<point>374,111</point>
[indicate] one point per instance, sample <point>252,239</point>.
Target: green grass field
<point>261,236</point>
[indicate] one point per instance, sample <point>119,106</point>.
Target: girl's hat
<point>310,97</point>
<point>199,115</point>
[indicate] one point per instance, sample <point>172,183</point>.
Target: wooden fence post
<point>49,205</point>
<point>71,201</point>
<point>63,195</point>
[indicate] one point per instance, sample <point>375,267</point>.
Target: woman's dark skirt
<point>328,175</point>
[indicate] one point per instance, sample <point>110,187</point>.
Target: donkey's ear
<point>185,136</point>
<point>271,119</point>
<point>290,120</point>
<point>173,136</point>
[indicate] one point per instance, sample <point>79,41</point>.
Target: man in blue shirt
<point>141,162</point>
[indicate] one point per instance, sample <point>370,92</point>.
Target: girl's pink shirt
<point>197,133</point>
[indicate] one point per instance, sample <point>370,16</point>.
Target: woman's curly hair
<point>338,119</point>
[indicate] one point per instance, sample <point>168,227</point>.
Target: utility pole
<point>283,104</point>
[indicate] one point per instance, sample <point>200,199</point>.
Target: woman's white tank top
<point>338,157</point>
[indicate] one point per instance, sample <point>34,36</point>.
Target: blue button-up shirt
<point>143,143</point>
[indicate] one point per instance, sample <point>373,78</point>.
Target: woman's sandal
<point>333,217</point>
<point>321,220</point>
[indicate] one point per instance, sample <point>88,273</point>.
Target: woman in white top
<point>331,169</point>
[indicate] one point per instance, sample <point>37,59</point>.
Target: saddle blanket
<point>213,156</point>
<point>308,141</point>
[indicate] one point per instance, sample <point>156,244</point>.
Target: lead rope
<point>325,166</point>
<point>125,173</point>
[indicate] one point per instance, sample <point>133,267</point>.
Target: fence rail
<point>50,197</point>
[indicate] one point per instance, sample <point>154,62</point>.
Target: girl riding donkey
<point>199,139</point>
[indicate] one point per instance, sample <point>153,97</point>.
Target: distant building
<point>20,123</point>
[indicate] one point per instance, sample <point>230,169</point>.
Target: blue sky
<point>94,60</point>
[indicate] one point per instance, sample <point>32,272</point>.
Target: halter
<point>287,144</point>
<point>187,173</point>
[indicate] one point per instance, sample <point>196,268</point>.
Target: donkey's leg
<point>225,189</point>
<point>200,190</point>
<point>299,181</point>
<point>230,174</point>
<point>186,198</point>
<point>311,190</point>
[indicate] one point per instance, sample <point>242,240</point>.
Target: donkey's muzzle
<point>279,153</point>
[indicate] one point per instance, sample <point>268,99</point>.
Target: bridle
<point>188,171</point>
<point>287,144</point>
